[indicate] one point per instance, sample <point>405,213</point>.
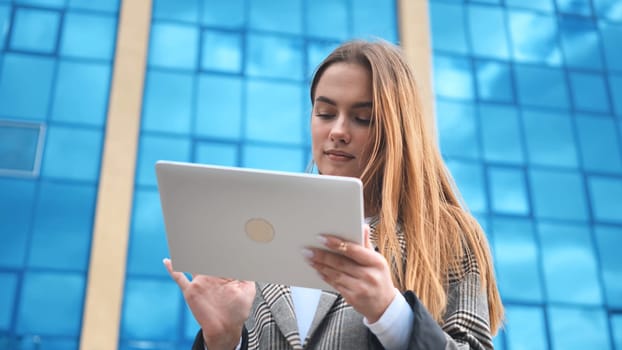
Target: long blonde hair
<point>406,182</point>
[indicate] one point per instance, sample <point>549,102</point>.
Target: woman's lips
<point>339,156</point>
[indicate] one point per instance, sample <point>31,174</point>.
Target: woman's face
<point>341,120</point>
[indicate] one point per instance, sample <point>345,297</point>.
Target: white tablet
<point>252,224</point>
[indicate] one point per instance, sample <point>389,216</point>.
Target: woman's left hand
<point>360,274</point>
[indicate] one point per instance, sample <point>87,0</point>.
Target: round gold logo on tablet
<point>259,230</point>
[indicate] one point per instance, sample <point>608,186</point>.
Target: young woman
<point>424,277</point>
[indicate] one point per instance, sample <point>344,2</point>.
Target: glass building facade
<point>528,97</point>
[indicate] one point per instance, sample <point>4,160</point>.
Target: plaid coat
<point>336,325</point>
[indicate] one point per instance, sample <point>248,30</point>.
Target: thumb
<point>366,239</point>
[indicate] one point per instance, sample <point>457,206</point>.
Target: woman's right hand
<point>220,306</point>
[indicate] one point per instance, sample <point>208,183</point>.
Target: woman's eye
<point>365,121</point>
<point>324,115</point>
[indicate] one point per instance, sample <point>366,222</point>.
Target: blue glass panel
<point>222,51</point>
<point>469,178</point>
<point>457,129</point>
<point>168,102</point>
<point>609,241</point>
<point>452,77</point>
<point>227,14</point>
<point>43,3</point>
<point>174,46</point>
<point>589,92</point>
<point>72,153</point>
<point>516,260</point>
<point>273,158</point>
<point>274,57</point>
<point>151,309</point>
<point>147,245</point>
<point>501,134</point>
<point>573,328</point>
<point>79,29</point>
<point>534,37</point>
<point>59,295</point>
<point>18,147</point>
<point>316,53</point>
<point>35,30</point>
<point>508,191</point>
<point>484,41</point>
<point>62,227</point>
<point>447,27</point>
<point>8,281</point>
<point>526,328</point>
<point>327,19</point>
<point>374,18</point>
<point>179,10</point>
<point>276,15</point>
<point>568,256</point>
<point>154,148</point>
<point>542,5</point>
<point>605,194</point>
<point>498,340</point>
<point>558,195</point>
<point>219,106</point>
<point>216,153</point>
<point>575,7</point>
<point>615,87</point>
<point>609,9</point>
<point>541,87</point>
<point>95,5</point>
<point>25,86</point>
<point>616,328</point>
<point>191,325</point>
<point>264,122</point>
<point>581,43</point>
<point>16,210</point>
<point>36,342</point>
<point>599,144</point>
<point>494,81</point>
<point>549,148</point>
<point>5,19</point>
<point>611,35</point>
<point>81,94</point>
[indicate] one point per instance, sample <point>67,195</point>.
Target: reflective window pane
<point>580,42</point>
<point>609,9</point>
<point>219,107</point>
<point>72,153</point>
<point>611,34</point>
<point>95,5</point>
<point>501,134</point>
<point>176,10</point>
<point>283,16</point>
<point>526,328</point>
<point>174,46</point>
<point>168,102</point>
<point>609,241</point>
<point>548,148</point>
<point>615,87</point>
<point>589,92</point>
<point>508,191</point>
<point>264,122</point>
<point>20,147</point>
<point>225,14</point>
<point>568,256</point>
<point>558,195</point>
<point>273,158</point>
<point>374,18</point>
<point>221,51</point>
<point>457,129</point>
<point>35,30</point>
<point>541,5</point>
<point>573,328</point>
<point>25,86</point>
<point>274,57</point>
<point>453,77</point>
<point>541,87</point>
<point>605,194</point>
<point>216,153</point>
<point>574,7</point>
<point>16,215</point>
<point>448,28</point>
<point>8,294</point>
<point>334,19</point>
<point>599,144</point>
<point>484,41</point>
<point>616,327</point>
<point>534,37</point>
<point>79,29</point>
<point>5,19</point>
<point>42,3</point>
<point>494,81</point>
<point>154,148</point>
<point>316,52</point>
<point>516,260</point>
<point>469,179</point>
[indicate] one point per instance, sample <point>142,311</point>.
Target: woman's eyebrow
<point>366,104</point>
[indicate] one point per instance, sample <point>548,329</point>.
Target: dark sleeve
<point>200,345</point>
<point>426,333</point>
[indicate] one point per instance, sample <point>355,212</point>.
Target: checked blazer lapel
<point>327,300</point>
<point>279,299</point>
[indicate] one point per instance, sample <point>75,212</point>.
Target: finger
<point>358,253</point>
<point>179,277</point>
<point>366,239</point>
<point>342,282</point>
<point>334,261</point>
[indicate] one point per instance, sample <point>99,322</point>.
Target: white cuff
<point>395,325</point>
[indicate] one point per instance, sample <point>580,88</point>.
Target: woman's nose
<point>340,130</point>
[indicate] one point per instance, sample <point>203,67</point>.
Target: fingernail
<point>307,253</point>
<point>322,239</point>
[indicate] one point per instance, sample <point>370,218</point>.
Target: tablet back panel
<point>252,224</point>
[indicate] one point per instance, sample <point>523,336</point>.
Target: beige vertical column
<point>414,26</point>
<point>104,292</point>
